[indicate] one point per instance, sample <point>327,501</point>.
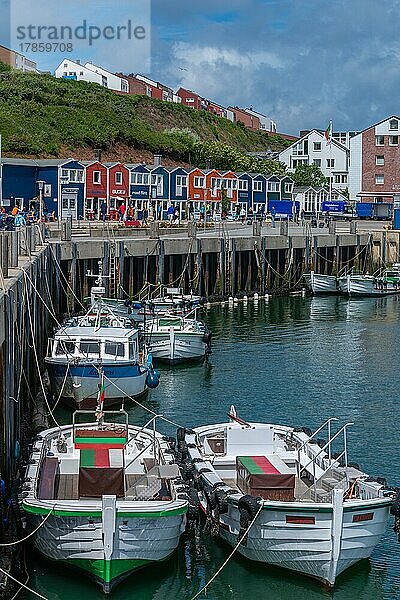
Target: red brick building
<point>250,121</point>
<point>191,99</point>
<point>374,173</point>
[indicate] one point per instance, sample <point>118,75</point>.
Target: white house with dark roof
<point>69,69</point>
<point>312,149</point>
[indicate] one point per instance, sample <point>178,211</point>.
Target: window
<point>181,181</point>
<point>199,182</point>
<point>393,124</point>
<point>273,186</point>
<point>64,173</point>
<point>288,188</point>
<point>140,178</point>
<point>118,178</point>
<point>79,176</point>
<point>379,159</point>
<point>379,140</point>
<point>189,99</point>
<point>65,348</point>
<point>339,178</point>
<point>81,73</point>
<point>243,185</point>
<point>97,177</point>
<point>299,161</point>
<point>114,349</point>
<point>257,186</point>
<point>317,162</point>
<point>317,146</point>
<point>393,140</point>
<point>379,179</point>
<point>330,163</point>
<point>158,181</point>
<point>216,183</point>
<point>90,347</point>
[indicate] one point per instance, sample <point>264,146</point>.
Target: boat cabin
<point>105,344</point>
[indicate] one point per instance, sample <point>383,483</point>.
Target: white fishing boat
<point>170,300</point>
<point>385,283</point>
<point>100,342</point>
<point>283,495</point>
<point>174,339</point>
<point>321,284</point>
<point>103,497</point>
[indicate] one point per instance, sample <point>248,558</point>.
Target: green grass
<point>47,117</point>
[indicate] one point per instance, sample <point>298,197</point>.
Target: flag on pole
<point>328,134</point>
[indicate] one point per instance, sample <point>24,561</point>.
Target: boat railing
<point>313,461</point>
<point>154,442</point>
<point>327,424</point>
<point>339,483</point>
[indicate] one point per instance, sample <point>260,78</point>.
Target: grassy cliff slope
<point>41,116</point>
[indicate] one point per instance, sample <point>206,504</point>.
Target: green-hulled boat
<point>103,497</point>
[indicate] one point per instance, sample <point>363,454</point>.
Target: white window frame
<point>317,144</point>
<point>317,162</point>
<point>138,178</point>
<point>288,188</point>
<point>180,183</point>
<point>378,139</point>
<point>273,186</point>
<point>391,140</point>
<point>158,182</point>
<point>379,160</point>
<point>199,182</point>
<point>257,186</point>
<point>330,163</point>
<point>380,179</point>
<point>396,125</point>
<point>97,177</point>
<point>243,185</point>
<point>118,180</point>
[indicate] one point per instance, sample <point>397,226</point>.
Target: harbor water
<point>294,361</point>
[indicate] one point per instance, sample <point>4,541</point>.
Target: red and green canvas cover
<point>95,446</point>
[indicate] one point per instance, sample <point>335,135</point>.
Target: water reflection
<point>290,360</point>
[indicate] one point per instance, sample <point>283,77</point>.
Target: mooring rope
<point>23,585</point>
<point>98,369</point>
<point>36,355</point>
<point>30,534</point>
<point>204,588</point>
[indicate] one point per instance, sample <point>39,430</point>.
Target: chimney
<point>78,61</point>
<point>157,160</point>
<point>97,154</point>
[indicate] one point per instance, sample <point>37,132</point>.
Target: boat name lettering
<point>363,517</point>
<point>300,520</point>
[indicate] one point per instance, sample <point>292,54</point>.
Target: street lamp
<point>40,184</point>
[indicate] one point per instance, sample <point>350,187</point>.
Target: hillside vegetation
<point>41,116</point>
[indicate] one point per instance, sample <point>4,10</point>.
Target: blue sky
<point>301,62</point>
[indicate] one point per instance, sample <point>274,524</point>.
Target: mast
<point>330,158</point>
